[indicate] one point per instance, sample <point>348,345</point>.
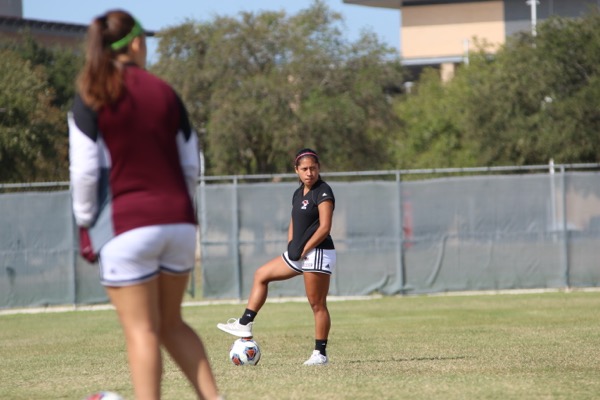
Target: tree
<point>431,136</point>
<point>534,100</point>
<point>37,85</point>
<point>33,140</point>
<point>61,66</point>
<point>261,86</point>
<point>537,99</point>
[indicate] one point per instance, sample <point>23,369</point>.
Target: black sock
<point>321,346</point>
<point>247,317</point>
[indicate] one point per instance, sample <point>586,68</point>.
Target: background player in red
<point>134,166</point>
<point>310,253</point>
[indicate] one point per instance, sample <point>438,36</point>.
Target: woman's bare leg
<point>274,270</point>
<point>181,341</point>
<point>317,288</point>
<point>138,311</point>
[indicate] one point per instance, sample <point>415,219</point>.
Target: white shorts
<point>141,254</point>
<point>317,260</point>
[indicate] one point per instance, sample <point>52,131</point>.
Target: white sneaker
<point>233,327</point>
<point>316,358</point>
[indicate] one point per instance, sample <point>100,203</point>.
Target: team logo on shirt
<point>304,204</point>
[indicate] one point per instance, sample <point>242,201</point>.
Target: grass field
<point>508,346</point>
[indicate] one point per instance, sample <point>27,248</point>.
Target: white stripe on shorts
<point>317,260</point>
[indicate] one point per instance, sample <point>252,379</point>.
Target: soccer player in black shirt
<point>310,253</point>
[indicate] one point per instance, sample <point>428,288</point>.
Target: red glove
<point>85,246</point>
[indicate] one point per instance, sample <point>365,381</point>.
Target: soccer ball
<point>104,396</point>
<point>244,351</point>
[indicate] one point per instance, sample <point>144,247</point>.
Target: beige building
<point>441,33</point>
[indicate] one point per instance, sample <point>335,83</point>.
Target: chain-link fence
<point>396,232</point>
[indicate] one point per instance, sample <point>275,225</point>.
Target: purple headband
<point>308,153</point>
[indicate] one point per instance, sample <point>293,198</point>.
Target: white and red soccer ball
<point>244,351</point>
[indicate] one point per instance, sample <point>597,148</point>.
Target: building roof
<point>398,4</point>
<point>377,3</point>
<point>16,23</point>
<point>407,3</point>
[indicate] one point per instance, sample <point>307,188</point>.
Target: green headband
<point>125,40</point>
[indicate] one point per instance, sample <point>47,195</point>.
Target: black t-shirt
<point>305,217</point>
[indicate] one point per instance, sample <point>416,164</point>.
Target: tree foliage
<point>33,142</point>
<point>261,86</point>
<point>432,136</point>
<point>36,90</point>
<point>60,66</point>
<point>535,100</point>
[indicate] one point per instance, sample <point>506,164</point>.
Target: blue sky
<point>157,14</point>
